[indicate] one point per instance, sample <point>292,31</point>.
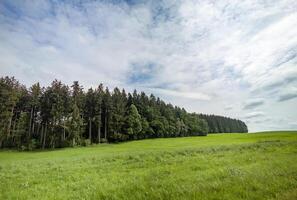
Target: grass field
<point>223,166</point>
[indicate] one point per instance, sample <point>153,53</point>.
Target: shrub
<point>103,140</point>
<point>86,142</point>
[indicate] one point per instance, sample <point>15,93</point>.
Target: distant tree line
<point>220,124</point>
<point>62,116</point>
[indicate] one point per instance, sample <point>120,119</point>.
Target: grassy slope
<point>223,166</point>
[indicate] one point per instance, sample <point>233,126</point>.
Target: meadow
<point>218,166</point>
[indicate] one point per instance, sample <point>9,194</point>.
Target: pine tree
<point>75,126</point>
<point>107,112</point>
<point>133,122</point>
<point>117,114</point>
<point>99,94</point>
<point>59,103</point>
<point>21,130</point>
<point>90,111</point>
<point>55,116</point>
<point>78,95</point>
<point>35,93</point>
<point>146,130</point>
<point>8,99</point>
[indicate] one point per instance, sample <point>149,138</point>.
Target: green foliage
<point>117,110</point>
<point>10,91</point>
<point>220,124</point>
<point>21,130</point>
<point>133,121</point>
<point>146,130</point>
<point>86,142</point>
<point>32,144</point>
<point>196,126</point>
<point>75,126</point>
<point>157,127</point>
<point>103,140</point>
<point>118,137</point>
<point>62,116</point>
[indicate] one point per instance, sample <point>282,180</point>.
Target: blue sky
<point>235,58</point>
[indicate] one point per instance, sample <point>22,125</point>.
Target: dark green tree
<point>99,95</point>
<point>90,111</point>
<point>133,121</point>
<point>75,126</point>
<point>56,117</point>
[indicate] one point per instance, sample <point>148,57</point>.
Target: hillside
<point>220,166</point>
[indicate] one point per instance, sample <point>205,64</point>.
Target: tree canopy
<point>60,116</point>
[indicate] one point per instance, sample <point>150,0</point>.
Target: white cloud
<point>255,114</point>
<point>180,94</point>
<point>288,94</point>
<point>252,103</point>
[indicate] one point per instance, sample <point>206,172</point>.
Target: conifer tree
<point>133,121</point>
<point>56,117</point>
<point>75,126</point>
<point>90,111</point>
<point>99,94</point>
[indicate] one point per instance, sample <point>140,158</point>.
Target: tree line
<point>61,116</point>
<point>220,124</point>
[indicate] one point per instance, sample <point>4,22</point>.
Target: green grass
<point>224,166</point>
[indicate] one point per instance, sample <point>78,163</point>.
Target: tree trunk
<point>64,131</point>
<point>90,129</point>
<point>30,123</point>
<point>99,130</point>
<point>33,122</point>
<point>44,136</point>
<point>33,128</point>
<point>41,134</point>
<point>52,141</point>
<point>9,122</point>
<point>1,141</point>
<point>105,127</point>
<point>52,133</point>
<point>13,131</point>
<point>37,130</point>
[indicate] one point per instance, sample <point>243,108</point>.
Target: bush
<point>32,145</point>
<point>86,142</point>
<point>118,137</point>
<point>103,140</point>
<point>23,148</point>
<point>66,143</point>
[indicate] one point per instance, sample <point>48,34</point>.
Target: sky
<point>236,58</point>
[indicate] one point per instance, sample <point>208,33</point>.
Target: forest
<point>66,116</point>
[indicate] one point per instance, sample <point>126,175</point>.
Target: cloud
<point>277,79</point>
<point>255,114</point>
<point>228,107</point>
<point>286,97</point>
<point>289,94</point>
<point>293,125</point>
<point>218,52</point>
<point>189,95</point>
<point>253,104</point>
